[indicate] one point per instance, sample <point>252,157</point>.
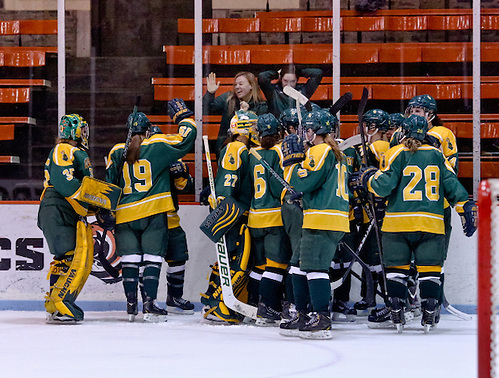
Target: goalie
<point>62,218</point>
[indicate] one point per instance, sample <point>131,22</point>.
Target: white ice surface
<point>106,345</point>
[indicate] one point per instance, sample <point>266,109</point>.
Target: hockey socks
<point>320,291</point>
<point>152,269</point>
<point>175,274</point>
<point>300,289</point>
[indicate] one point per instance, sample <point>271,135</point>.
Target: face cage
<point>430,116</point>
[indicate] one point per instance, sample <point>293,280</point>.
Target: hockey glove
<point>353,182</point>
<point>204,195</point>
<point>364,176</point>
<point>105,219</point>
<point>179,170</point>
<point>358,211</point>
<point>177,110</point>
<point>292,150</point>
<point>468,218</point>
<point>379,208</point>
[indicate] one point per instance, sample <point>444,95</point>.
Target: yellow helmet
<point>244,123</point>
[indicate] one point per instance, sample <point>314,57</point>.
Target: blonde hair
<point>412,144</point>
<point>334,145</point>
<point>254,95</point>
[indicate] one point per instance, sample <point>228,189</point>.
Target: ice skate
<point>342,312</point>
<point>152,313</point>
<point>267,316</point>
<point>179,306</point>
<point>58,318</point>
<point>317,328</point>
<point>397,313</point>
<point>291,327</point>
<point>362,305</point>
<point>131,306</point>
<point>288,311</point>
<point>430,314</point>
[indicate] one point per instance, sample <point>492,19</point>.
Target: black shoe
<point>267,316</point>
<point>397,306</point>
<point>131,306</point>
<point>179,306</point>
<point>318,327</point>
<point>292,326</point>
<point>152,313</point>
<point>379,315</point>
<point>363,305</point>
<point>339,308</point>
<point>430,314</point>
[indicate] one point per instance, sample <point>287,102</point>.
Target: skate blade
<point>53,319</point>
<point>388,324</point>
<point>263,322</point>
<point>215,322</point>
<point>131,318</point>
<point>178,311</point>
<point>289,332</point>
<point>155,318</point>
<point>316,335</point>
<point>343,318</point>
<point>400,327</point>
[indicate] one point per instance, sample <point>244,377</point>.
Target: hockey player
<point>177,251</point>
<point>426,106</point>
<point>141,218</point>
<point>376,126</point>
<point>62,218</point>
<point>265,222</point>
<point>416,180</point>
<point>232,180</point>
<point>321,178</point>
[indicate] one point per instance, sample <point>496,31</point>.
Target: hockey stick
<point>370,196</point>
<point>350,142</point>
<point>340,103</point>
<point>284,183</point>
<point>102,239</point>
<point>300,97</point>
<point>229,298</point>
<point>454,311</point>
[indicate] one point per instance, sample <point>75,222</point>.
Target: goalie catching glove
<point>292,150</point>
<point>468,213</point>
<point>177,110</point>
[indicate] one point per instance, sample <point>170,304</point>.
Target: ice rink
<point>107,345</point>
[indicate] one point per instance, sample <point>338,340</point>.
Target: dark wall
<point>138,28</point>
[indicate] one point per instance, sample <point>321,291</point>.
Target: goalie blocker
<point>222,218</point>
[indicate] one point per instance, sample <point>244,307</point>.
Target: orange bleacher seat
<point>7,132</point>
<point>24,59</point>
<point>489,52</point>
<point>271,54</point>
<point>317,24</point>
<point>441,91</point>
<point>394,91</point>
<point>399,53</point>
<point>452,52</point>
<point>239,25</point>
<point>490,22</point>
<point>360,24</point>
<point>229,55</point>
<point>9,27</point>
<point>406,23</point>
<point>38,26</point>
<point>488,169</point>
<point>186,25</point>
<point>15,95</point>
<point>291,24</point>
<point>356,53</point>
<point>462,22</point>
<point>183,55</point>
<point>9,159</point>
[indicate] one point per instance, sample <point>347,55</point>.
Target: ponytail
<point>412,144</point>
<point>133,151</point>
<point>334,145</point>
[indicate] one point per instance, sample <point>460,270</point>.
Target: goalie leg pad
<point>69,285</point>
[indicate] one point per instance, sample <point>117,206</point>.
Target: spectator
<point>277,100</point>
<point>245,95</point>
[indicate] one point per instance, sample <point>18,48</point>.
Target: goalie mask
<point>376,120</point>
<point>244,123</point>
<point>267,125</point>
<point>138,122</point>
<point>74,127</point>
<point>417,127</point>
<point>424,102</point>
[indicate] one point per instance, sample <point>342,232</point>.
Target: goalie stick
<point>102,239</point>
<point>229,298</point>
<point>454,311</point>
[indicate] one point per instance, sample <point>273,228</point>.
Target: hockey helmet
<point>267,125</point>
<point>138,122</point>
<point>74,127</point>
<point>244,123</point>
<point>417,127</point>
<point>425,102</point>
<point>320,122</point>
<point>289,117</point>
<point>376,119</point>
<point>396,120</point>
<point>153,130</point>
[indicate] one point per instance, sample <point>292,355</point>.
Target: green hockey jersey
<point>323,181</point>
<point>146,183</point>
<point>265,209</point>
<point>416,185</point>
<point>233,174</point>
<point>64,170</point>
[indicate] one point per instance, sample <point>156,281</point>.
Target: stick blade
<point>340,103</point>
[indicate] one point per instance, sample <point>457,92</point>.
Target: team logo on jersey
<point>232,160</point>
<point>109,250</point>
<point>449,144</point>
<point>312,161</point>
<point>64,156</point>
